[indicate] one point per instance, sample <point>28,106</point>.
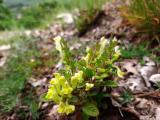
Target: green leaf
<point>110,83</point>
<point>158,85</point>
<point>85,117</point>
<point>90,109</point>
<point>89,73</point>
<point>74,99</point>
<point>127,97</point>
<point>43,97</point>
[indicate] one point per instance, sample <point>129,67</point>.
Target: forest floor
<point>137,96</point>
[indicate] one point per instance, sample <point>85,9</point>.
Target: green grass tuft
<point>30,16</point>
<point>18,69</point>
<point>6,19</point>
<point>144,14</point>
<point>135,52</point>
<point>37,16</point>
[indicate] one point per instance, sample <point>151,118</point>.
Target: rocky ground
<point>142,96</point>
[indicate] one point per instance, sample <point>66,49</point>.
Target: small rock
<point>44,106</point>
<point>136,83</point>
<point>66,17</point>
<point>147,70</point>
<point>142,104</point>
<point>75,46</point>
<point>53,114</point>
<point>36,83</point>
<point>155,78</point>
<point>130,66</point>
<point>5,47</point>
<point>157,114</point>
<point>28,32</point>
<point>148,61</point>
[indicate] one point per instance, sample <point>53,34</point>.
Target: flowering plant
<point>76,86</point>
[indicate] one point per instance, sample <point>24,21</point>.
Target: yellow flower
<point>116,55</point>
<point>103,43</point>
<point>88,56</point>
<point>58,43</point>
<point>114,39</point>
<point>52,81</point>
<point>65,108</point>
<point>52,94</point>
<point>89,86</point>
<point>59,79</point>
<point>77,79</point>
<point>56,98</point>
<point>66,89</point>
<point>49,94</point>
<point>119,72</point>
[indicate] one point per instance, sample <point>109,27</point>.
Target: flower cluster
<point>79,78</point>
<point>60,91</point>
